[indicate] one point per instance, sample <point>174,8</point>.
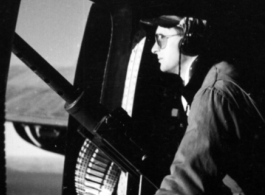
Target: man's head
<point>173,39</point>
<point>166,48</point>
<point>167,39</point>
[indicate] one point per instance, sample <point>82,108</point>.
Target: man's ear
<point>194,36</point>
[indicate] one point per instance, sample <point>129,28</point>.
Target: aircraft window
<point>55,30</point>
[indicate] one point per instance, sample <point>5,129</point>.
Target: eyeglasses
<point>161,40</point>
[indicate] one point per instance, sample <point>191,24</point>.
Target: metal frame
<point>8,18</point>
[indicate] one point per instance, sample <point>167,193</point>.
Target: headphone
<point>194,33</point>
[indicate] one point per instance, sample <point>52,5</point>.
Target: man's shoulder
<point>223,79</point>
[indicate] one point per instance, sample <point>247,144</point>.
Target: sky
<point>54,28</point>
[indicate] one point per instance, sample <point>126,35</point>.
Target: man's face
<point>168,57</point>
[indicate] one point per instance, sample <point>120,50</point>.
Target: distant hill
<point>29,99</point>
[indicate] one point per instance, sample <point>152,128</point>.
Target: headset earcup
<point>182,45</point>
<point>192,42</point>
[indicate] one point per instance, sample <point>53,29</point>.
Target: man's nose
<point>155,48</point>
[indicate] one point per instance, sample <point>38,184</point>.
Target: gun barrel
<point>43,69</point>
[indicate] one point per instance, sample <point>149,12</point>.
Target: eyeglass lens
<point>161,41</point>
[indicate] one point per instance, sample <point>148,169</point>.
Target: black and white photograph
<point>132,97</point>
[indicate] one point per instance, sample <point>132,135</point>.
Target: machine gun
<point>109,131</point>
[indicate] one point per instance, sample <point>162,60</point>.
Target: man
<point>222,151</point>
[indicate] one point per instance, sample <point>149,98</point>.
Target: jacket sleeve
<point>200,162</point>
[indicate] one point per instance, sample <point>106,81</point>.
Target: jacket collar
<point>206,72</point>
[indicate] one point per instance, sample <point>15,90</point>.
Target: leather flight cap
<point>164,21</point>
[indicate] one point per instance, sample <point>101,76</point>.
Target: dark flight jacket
<point>222,151</point>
